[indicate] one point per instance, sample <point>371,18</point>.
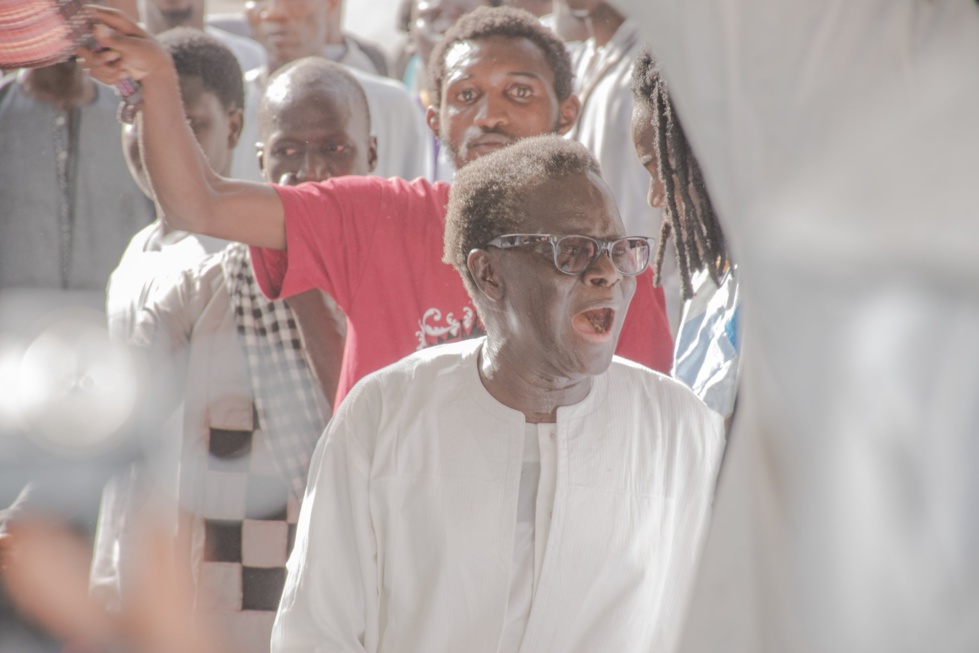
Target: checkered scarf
<point>288,399</point>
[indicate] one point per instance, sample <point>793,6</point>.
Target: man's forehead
<point>515,55</point>
<point>581,203</point>
<point>315,108</point>
<point>193,90</point>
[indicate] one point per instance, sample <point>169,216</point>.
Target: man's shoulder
<point>432,361</point>
<point>423,372</point>
<point>147,239</point>
<point>367,189</point>
<point>189,286</point>
<point>666,407</point>
<point>629,377</point>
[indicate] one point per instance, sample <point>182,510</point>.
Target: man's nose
<point>314,168</point>
<point>493,112</point>
<point>602,272</point>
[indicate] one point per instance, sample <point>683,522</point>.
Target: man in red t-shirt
<point>375,245</point>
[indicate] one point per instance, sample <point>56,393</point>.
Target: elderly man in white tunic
<point>526,491</point>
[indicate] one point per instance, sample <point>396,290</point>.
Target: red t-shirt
<point>375,245</point>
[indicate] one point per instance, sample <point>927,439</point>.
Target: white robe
<point>406,534</point>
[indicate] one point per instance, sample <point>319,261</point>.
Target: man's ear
<point>236,121</point>
<point>372,154</point>
<point>432,119</point>
<point>260,155</point>
<point>568,114</point>
<point>484,274</point>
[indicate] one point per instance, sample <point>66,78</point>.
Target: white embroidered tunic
<point>406,535</point>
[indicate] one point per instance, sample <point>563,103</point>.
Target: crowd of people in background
<point>248,366</point>
<point>431,352</point>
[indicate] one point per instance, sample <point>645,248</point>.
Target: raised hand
<point>129,50</point>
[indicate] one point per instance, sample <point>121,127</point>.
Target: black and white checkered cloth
<point>249,517</point>
<point>288,399</point>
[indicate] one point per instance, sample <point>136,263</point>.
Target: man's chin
<point>594,359</point>
<point>474,152</point>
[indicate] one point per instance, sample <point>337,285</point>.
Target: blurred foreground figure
<point>840,145</point>
<point>526,490</point>
<point>43,565</point>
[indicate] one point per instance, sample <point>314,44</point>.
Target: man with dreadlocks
<point>706,352</point>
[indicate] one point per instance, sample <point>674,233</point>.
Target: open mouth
<point>595,324</point>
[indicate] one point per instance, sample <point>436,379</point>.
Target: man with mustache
<point>372,243</point>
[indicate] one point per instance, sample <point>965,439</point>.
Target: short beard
<point>454,153</point>
<point>444,143</point>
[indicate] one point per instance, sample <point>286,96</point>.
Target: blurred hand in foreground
<point>45,569</point>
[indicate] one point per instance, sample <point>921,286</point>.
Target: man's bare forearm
<point>193,197</point>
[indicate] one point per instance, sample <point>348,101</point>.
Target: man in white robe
<point>526,491</point>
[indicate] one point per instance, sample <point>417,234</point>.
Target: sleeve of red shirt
<point>645,336</point>
<point>329,229</point>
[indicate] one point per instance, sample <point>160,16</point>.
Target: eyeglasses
<point>573,254</point>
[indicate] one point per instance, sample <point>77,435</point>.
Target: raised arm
<point>193,197</point>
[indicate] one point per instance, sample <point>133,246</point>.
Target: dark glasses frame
<point>579,265</point>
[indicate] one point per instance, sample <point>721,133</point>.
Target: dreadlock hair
<point>699,241</point>
<point>196,54</point>
<point>488,196</point>
<point>510,22</point>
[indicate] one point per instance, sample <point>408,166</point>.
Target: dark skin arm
<point>323,327</point>
<point>193,197</point>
